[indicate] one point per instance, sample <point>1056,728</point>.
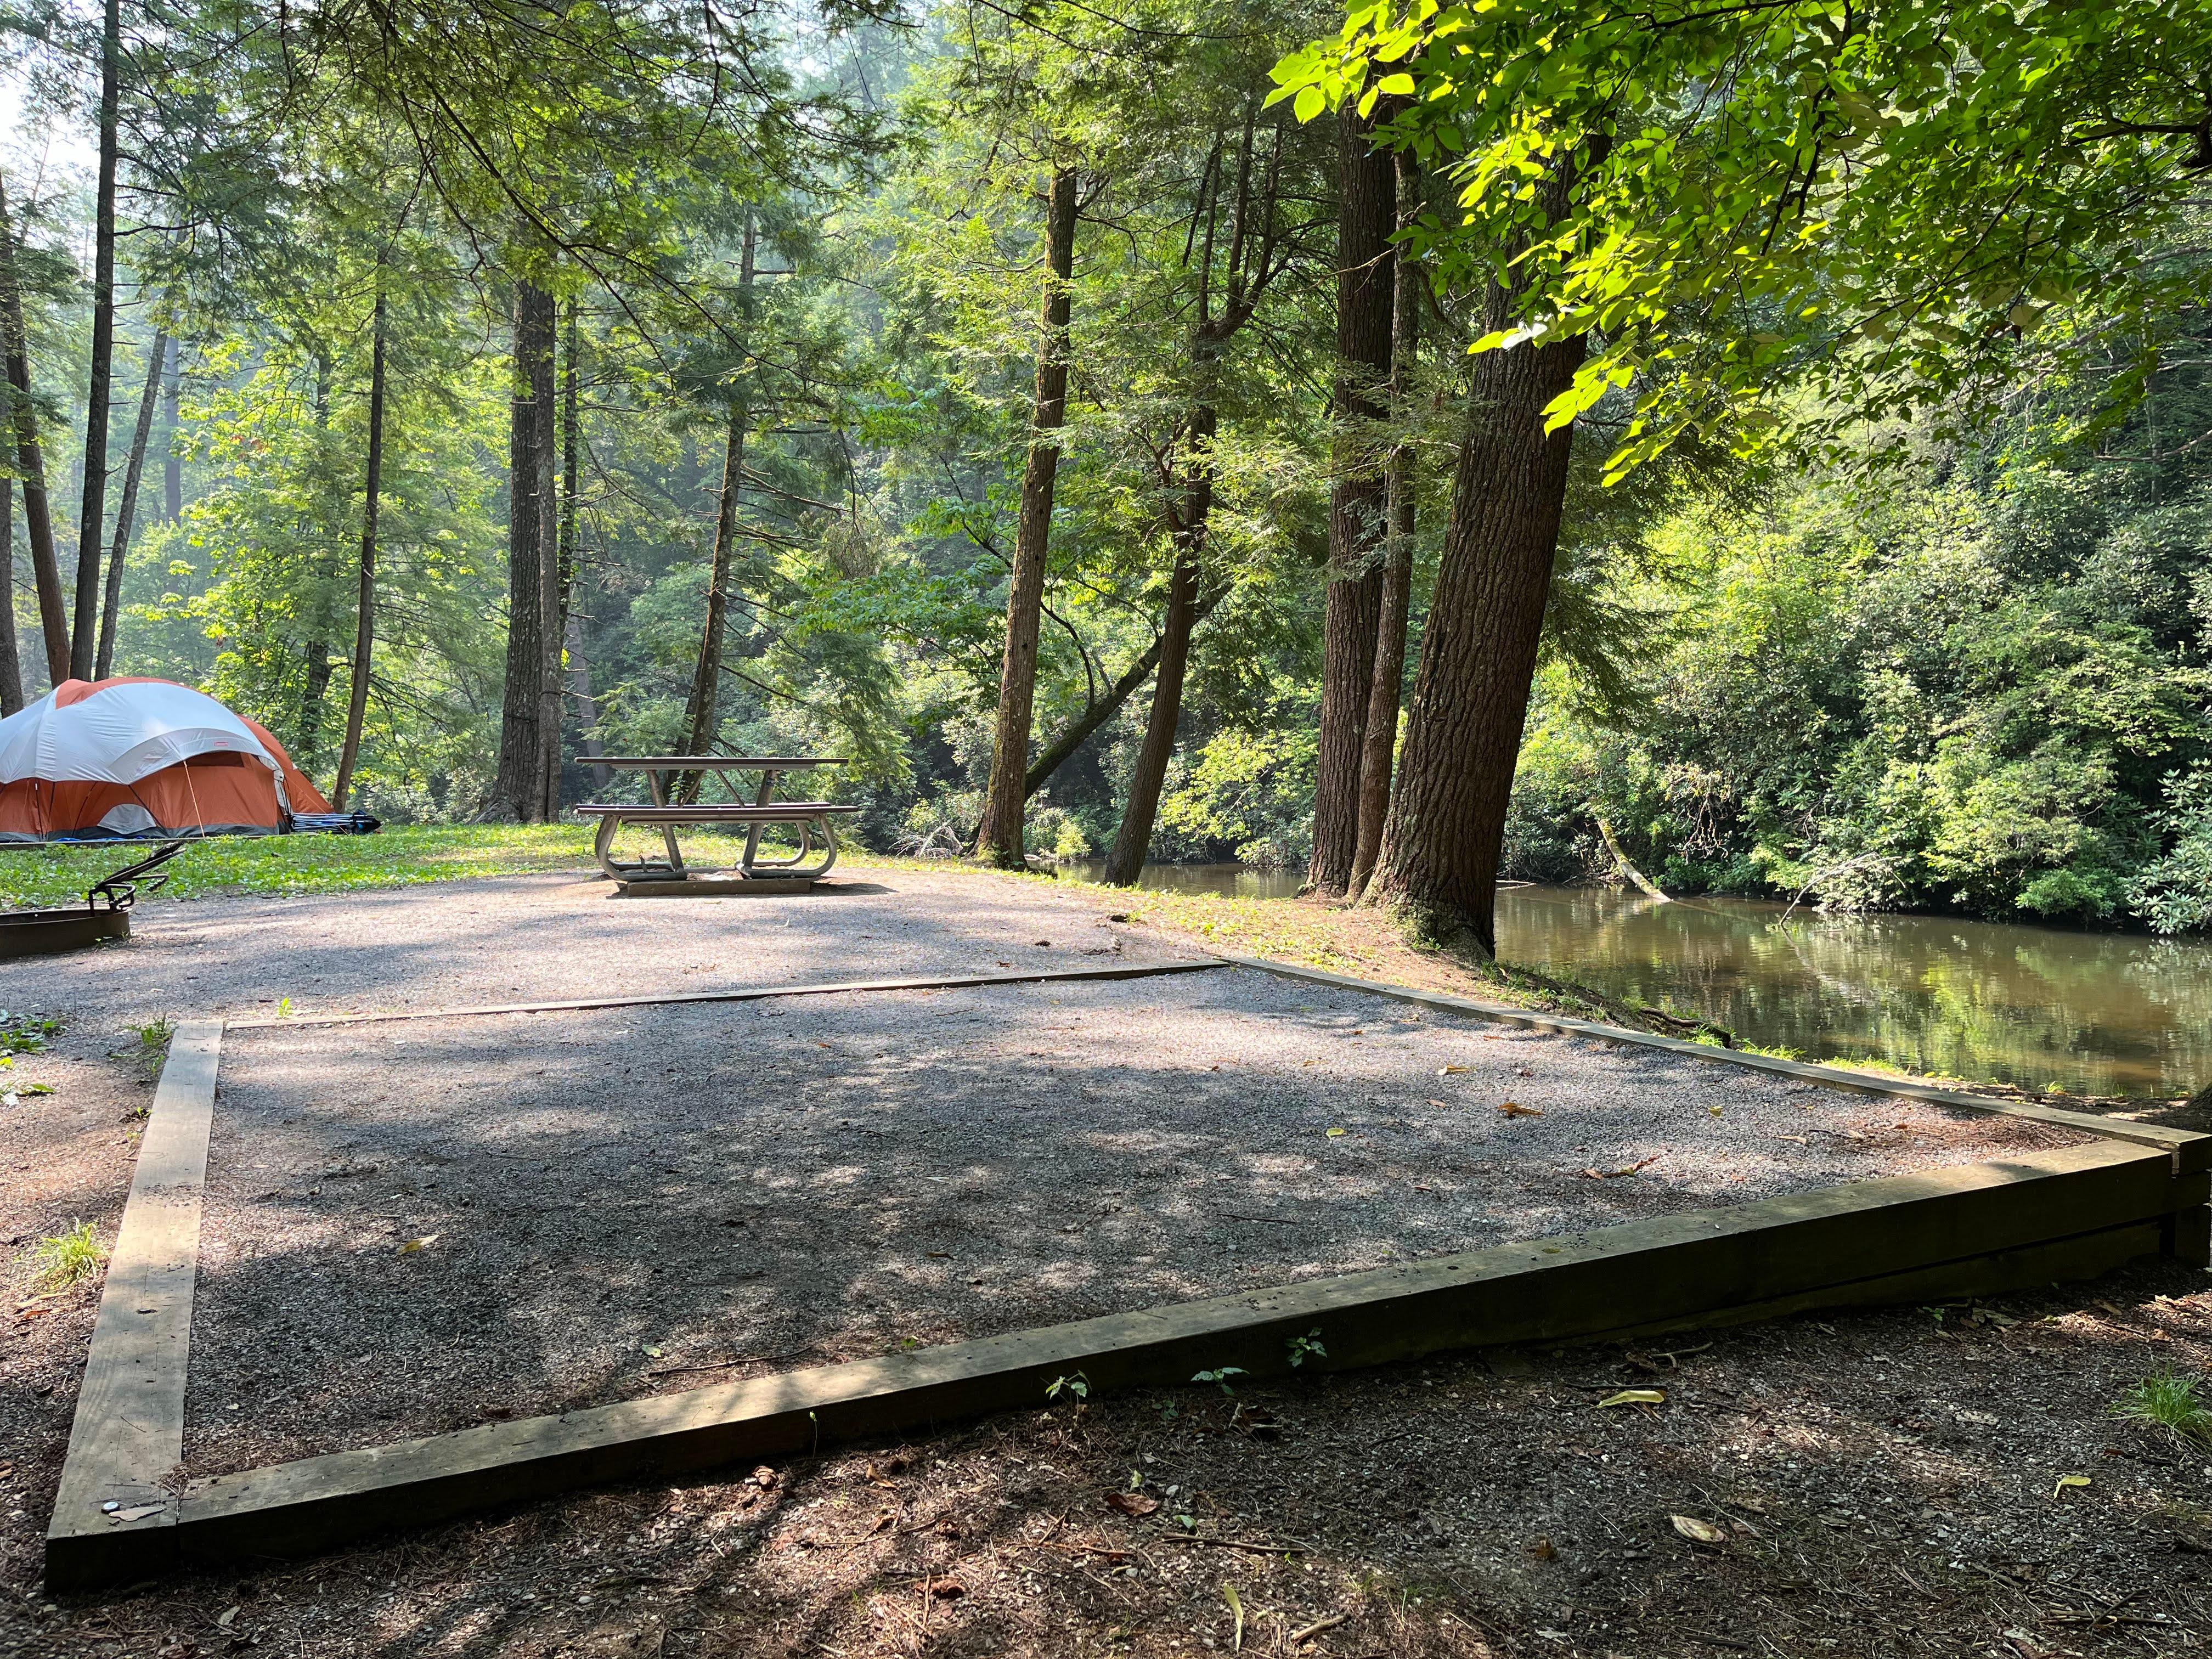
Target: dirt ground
<point>1879,1483</point>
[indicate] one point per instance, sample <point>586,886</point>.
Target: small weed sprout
<point>1078,1385</point>
<point>26,1034</point>
<point>67,1258</point>
<point>154,1037</point>
<point>1306,1347</point>
<point>2168,1400</point>
<point>1220,1378</point>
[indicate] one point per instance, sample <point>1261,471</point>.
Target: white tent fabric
<point>120,733</point>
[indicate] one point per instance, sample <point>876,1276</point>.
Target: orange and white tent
<point>142,758</point>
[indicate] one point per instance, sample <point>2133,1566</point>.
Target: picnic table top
<point>710,763</point>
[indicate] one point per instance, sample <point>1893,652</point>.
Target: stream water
<point>2092,1012</point>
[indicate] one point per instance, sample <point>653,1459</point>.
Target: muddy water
<point>2104,1013</point>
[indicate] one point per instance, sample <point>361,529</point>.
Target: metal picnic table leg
<point>753,833</point>
<point>667,831</point>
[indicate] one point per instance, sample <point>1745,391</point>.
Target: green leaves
<point>1770,197</point>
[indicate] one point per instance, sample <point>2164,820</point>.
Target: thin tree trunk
<point>571,460</point>
<point>309,754</point>
<point>11,662</point>
<point>587,710</point>
<point>1134,837</point>
<point>1447,823</point>
<point>173,464</point>
<point>1078,730</point>
<point>546,396</point>
<point>1651,888</point>
<point>572,622</point>
<point>93,516</point>
<point>1356,530</point>
<point>699,723</point>
<point>364,628</point>
<point>30,460</point>
<point>126,509</point>
<point>1379,741</point>
<point>999,839</point>
<point>518,790</point>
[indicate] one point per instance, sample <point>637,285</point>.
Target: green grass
<point>2168,1400</point>
<point>33,876</point>
<point>69,1257</point>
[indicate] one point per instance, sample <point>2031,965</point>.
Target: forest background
<point>759,305</point>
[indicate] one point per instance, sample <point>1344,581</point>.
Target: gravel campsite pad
<point>420,1225</point>
<point>546,938</point>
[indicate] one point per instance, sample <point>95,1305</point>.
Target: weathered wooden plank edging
<point>2067,1211</point>
<point>115,1504</point>
<point>2190,1150</point>
<point>744,993</point>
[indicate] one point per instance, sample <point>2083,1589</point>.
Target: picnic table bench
<point>811,818</point>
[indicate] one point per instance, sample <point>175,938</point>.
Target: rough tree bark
<point>1366,216</point>
<point>173,464</point>
<point>30,460</point>
<point>1379,737</point>
<point>519,791</point>
<point>126,508</point>
<point>364,630</point>
<point>999,840</point>
<point>699,723</point>
<point>1447,823</point>
<point>11,661</point>
<point>93,515</point>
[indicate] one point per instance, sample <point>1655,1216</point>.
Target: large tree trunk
<point>11,661</point>
<point>364,628</point>
<point>519,791</point>
<point>126,509</point>
<point>93,516</point>
<point>1000,838</point>
<point>1447,825</point>
<point>173,464</point>
<point>1365,214</point>
<point>1379,740</point>
<point>30,460</point>
<point>1134,837</point>
<point>699,722</point>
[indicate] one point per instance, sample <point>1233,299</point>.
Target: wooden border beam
<point>117,1505</point>
<point>750,993</point>
<point>1970,1230</point>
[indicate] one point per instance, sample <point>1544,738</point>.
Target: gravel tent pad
<point>618,1202</point>
<point>545,938</point>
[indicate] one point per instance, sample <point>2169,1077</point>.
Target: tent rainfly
<point>141,759</point>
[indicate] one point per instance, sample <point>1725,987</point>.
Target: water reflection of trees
<point>2032,1005</point>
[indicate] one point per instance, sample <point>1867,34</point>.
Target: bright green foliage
<point>1983,686</point>
<point>1880,203</point>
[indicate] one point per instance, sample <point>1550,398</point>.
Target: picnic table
<point>811,818</point>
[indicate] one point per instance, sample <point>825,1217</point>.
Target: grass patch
<point>68,1258</point>
<point>38,877</point>
<point>2170,1401</point>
